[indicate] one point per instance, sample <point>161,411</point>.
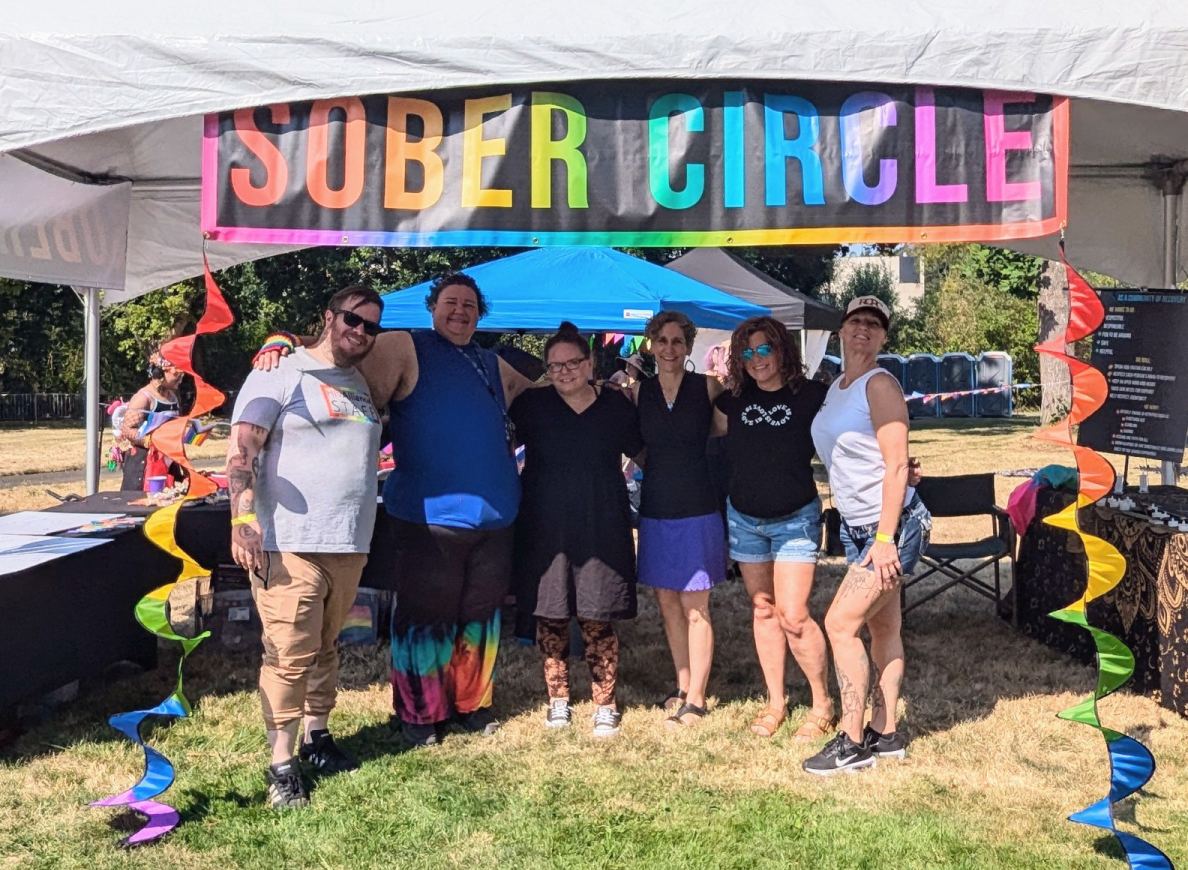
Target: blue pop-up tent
<point>597,289</point>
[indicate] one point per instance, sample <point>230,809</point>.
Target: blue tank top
<point>453,467</point>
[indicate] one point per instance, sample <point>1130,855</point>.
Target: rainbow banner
<point>1131,763</point>
<point>152,611</point>
<point>649,162</point>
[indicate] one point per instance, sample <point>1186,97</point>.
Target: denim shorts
<point>792,538</point>
<point>911,538</point>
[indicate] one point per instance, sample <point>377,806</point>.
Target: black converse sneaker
<point>892,745</point>
<point>285,788</point>
<point>324,754</point>
<point>606,721</point>
<point>840,753</point>
<point>559,713</point>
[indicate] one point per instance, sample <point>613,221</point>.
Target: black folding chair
<point>966,495</point>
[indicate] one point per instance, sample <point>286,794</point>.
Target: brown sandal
<point>769,721</point>
<point>814,727</point>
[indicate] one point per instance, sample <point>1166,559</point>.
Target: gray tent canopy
<point>731,274</point>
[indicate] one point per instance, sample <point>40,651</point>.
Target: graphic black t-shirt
<point>771,450</point>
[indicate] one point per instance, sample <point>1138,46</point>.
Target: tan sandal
<point>769,721</point>
<point>814,727</point>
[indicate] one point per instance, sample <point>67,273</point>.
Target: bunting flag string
<point>1131,763</point>
<point>953,394</point>
<point>152,612</point>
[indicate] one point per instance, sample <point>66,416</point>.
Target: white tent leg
<point>90,297</point>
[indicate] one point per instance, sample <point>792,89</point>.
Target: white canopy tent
<point>100,93</point>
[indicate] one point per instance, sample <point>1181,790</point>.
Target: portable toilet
<point>994,370</point>
<point>828,370</point>
<point>957,376</point>
<point>895,364</point>
<point>922,375</point>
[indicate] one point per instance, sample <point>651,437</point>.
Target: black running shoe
<point>324,754</point>
<point>892,745</point>
<point>481,721</point>
<point>285,788</point>
<point>840,754</point>
<point>419,735</point>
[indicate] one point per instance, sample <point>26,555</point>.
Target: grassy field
<point>990,777</point>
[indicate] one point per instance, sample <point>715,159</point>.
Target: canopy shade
<point>730,274</point>
<point>119,91</point>
<point>597,289</point>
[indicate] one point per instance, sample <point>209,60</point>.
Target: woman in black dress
<point>574,551</point>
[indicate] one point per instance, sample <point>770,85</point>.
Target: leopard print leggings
<point>602,655</point>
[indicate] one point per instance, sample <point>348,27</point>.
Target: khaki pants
<point>303,602</point>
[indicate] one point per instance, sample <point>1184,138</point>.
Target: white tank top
<point>845,440</point>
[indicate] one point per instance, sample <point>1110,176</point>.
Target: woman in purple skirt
<point>682,536</point>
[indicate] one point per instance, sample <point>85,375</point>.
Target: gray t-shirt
<point>316,487</point>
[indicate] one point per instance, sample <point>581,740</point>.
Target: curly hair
<point>661,320</point>
<point>783,350</point>
<point>456,279</point>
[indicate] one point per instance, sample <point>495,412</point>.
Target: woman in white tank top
<point>861,434</point>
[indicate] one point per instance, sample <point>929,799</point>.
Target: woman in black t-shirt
<point>574,551</point>
<point>773,512</point>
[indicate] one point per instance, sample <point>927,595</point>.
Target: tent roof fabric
<point>730,274</point>
<point>597,289</point>
<point>120,89</point>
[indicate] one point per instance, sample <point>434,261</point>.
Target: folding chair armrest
<point>1003,527</point>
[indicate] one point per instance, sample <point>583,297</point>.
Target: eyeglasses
<point>751,352</point>
<point>352,321</point>
<point>570,365</point>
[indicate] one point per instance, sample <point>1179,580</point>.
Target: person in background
<point>155,401</point>
<point>773,513</point>
<point>453,497</point>
<point>861,434</point>
<point>301,478</point>
<point>574,551</point>
<point>682,539</point>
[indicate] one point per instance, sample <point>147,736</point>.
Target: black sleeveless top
<point>677,482</point>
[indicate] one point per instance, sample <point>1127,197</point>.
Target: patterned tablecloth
<point>1148,610</point>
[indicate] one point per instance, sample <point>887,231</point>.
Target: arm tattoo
<point>243,469</point>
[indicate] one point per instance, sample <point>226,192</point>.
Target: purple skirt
<point>686,555</point>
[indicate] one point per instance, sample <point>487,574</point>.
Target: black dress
<point>677,482</point>
<point>574,552</point>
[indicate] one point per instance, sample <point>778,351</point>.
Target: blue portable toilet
<point>895,364</point>
<point>957,376</point>
<point>922,375</point>
<point>994,369</point>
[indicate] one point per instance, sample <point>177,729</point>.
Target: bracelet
<point>885,538</point>
<point>243,519</point>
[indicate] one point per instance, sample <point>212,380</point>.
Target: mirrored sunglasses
<point>751,352</point>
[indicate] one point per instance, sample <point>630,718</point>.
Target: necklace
<point>663,392</point>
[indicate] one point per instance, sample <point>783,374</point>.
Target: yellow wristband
<point>886,539</point>
<point>243,519</point>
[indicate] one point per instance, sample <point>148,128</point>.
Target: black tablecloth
<point>1148,610</point>
<point>74,616</point>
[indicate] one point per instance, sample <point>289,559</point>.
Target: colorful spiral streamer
<point>1131,763</point>
<point>152,610</point>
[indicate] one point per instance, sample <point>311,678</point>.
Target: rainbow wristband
<point>278,341</point>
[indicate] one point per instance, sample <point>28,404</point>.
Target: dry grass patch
<point>29,449</point>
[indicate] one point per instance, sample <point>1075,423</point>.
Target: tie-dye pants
<point>450,585</point>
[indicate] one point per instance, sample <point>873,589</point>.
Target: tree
<point>872,279</point>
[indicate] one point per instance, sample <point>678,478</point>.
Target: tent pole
<point>1172,192</point>
<point>90,296</point>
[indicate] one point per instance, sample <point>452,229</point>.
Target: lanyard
<point>509,427</point>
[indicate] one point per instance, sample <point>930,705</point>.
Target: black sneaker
<point>324,754</point>
<point>419,735</point>
<point>840,753</point>
<point>892,745</point>
<point>481,721</point>
<point>559,713</point>
<point>285,788</point>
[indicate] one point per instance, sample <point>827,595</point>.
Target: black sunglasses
<point>353,320</point>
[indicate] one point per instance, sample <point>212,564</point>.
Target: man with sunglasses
<point>301,468</point>
<point>453,499</point>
